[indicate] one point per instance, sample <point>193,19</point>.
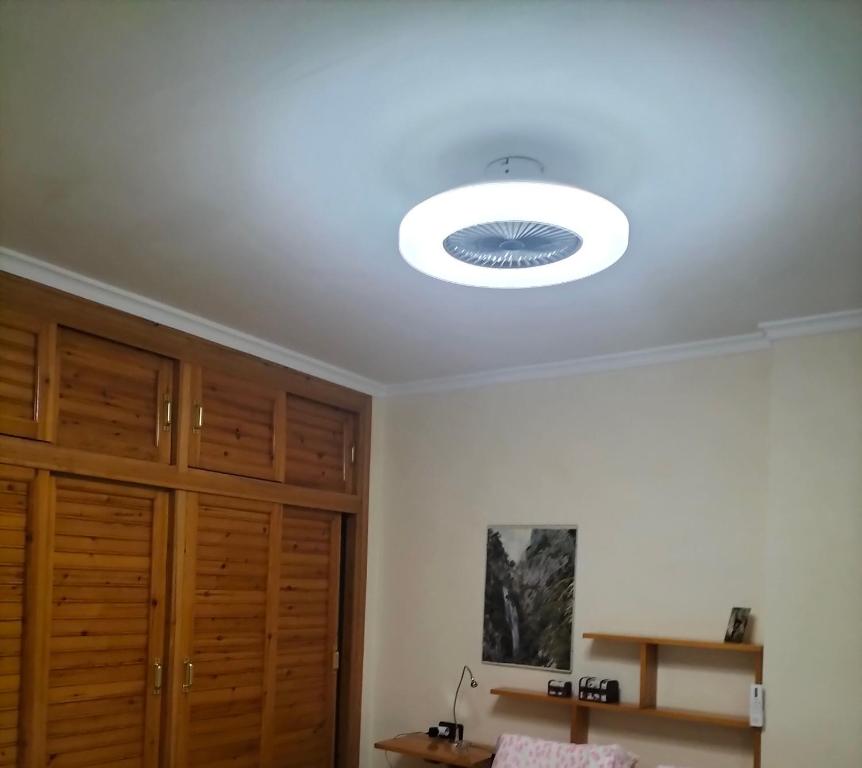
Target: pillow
<point>514,751</point>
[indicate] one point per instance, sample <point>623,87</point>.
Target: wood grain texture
<point>34,704</point>
<point>27,297</point>
<point>306,677</point>
<point>182,587</point>
<point>320,443</point>
<point>87,634</point>
<point>354,567</point>
<point>18,506</point>
<point>111,397</point>
<point>228,631</point>
<point>237,425</point>
<point>101,707</point>
<point>29,453</point>
<point>26,375</point>
<point>273,592</point>
<point>156,627</point>
<point>183,415</point>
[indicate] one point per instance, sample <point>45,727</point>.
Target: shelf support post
<point>756,732</point>
<point>649,675</point>
<point>580,728</point>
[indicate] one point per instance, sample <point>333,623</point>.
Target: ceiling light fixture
<point>513,233</point>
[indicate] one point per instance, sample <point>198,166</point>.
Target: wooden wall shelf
<point>703,645</point>
<point>668,713</point>
<point>526,694</point>
<point>646,705</point>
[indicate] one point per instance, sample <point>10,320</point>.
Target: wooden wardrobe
<point>182,548</point>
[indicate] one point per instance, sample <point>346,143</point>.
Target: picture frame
<point>529,596</point>
<point>737,625</point>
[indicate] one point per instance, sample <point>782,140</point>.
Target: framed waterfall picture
<point>529,596</point>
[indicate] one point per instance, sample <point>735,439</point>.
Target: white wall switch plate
<point>755,706</point>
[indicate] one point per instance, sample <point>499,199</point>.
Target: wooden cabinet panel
<point>105,625</point>
<point>113,399</point>
<point>26,378</point>
<point>228,546</point>
<point>254,596</point>
<point>320,445</point>
<point>307,639</point>
<point>237,426</point>
<point>15,503</point>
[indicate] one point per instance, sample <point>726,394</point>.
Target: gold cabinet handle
<point>199,417</point>
<point>190,675</point>
<point>168,420</point>
<point>157,676</point>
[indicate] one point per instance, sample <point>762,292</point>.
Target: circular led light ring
<point>602,226</point>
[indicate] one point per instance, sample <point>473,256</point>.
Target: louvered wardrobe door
<point>105,626</point>
<point>237,426</point>
<point>320,447</point>
<point>16,489</point>
<point>228,655</point>
<point>114,399</point>
<point>306,669</point>
<point>26,354</point>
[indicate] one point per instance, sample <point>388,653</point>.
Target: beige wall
<point>678,478</point>
<point>813,588</point>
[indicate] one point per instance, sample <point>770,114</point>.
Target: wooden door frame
<point>354,533</point>
<point>182,556</point>
<point>38,587</point>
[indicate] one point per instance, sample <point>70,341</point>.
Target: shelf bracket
<point>649,675</point>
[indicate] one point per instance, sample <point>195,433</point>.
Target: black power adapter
<point>447,731</point>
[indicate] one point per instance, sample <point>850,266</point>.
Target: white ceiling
<point>250,163</point>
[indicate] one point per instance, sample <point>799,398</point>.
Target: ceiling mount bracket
<point>514,168</point>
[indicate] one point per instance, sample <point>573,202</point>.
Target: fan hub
<point>512,244</point>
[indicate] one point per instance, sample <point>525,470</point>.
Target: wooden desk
<point>438,751</point>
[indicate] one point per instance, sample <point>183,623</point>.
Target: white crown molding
<point>763,338</point>
<point>730,345</point>
<point>87,288</point>
<point>850,320</point>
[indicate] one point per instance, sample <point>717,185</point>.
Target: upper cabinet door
<point>320,445</point>
<point>114,399</point>
<point>237,426</point>
<point>26,352</point>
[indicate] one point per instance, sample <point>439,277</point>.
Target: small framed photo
<point>737,625</point>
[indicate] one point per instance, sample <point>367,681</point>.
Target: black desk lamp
<point>459,729</point>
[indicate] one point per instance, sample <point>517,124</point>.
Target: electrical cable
<point>396,736</point>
